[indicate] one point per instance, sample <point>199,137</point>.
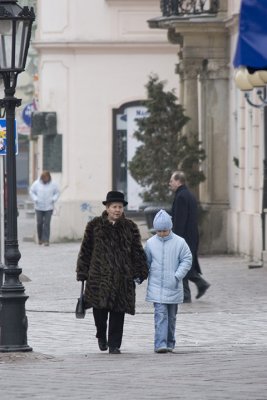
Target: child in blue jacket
<point>169,260</point>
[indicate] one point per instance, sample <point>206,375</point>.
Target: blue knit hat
<point>162,221</point>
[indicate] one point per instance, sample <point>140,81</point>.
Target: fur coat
<point>110,258</point>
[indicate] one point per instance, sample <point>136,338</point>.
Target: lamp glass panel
<point>255,79</point>
<point>22,29</point>
<point>5,50</point>
<point>241,79</point>
<point>5,27</point>
<point>263,75</point>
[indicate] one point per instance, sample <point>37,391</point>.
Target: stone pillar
<point>213,98</point>
<point>189,70</point>
<point>204,77</point>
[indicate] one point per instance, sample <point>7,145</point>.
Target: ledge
<point>107,45</point>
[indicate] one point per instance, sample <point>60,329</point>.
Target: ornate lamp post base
<point>13,335</point>
<point>15,33</point>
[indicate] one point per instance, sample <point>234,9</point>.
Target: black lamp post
<point>15,33</point>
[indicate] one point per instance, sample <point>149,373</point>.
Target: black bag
<point>80,307</point>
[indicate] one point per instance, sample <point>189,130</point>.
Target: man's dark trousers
<point>194,276</point>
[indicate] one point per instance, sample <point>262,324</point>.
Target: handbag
<point>80,307</point>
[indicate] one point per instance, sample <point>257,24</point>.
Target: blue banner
<point>251,50</point>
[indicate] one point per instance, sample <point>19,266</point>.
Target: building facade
<point>231,130</point>
<point>95,58</point>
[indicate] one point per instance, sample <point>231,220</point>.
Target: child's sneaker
<point>161,350</point>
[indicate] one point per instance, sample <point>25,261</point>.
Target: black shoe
<point>114,350</point>
<point>202,290</point>
<point>102,344</point>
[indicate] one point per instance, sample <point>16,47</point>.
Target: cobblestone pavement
<point>221,350</point>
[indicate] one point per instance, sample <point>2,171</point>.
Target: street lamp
<point>15,33</point>
<point>247,79</point>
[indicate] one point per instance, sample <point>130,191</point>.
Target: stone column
<point>189,70</point>
<point>213,97</point>
<point>204,77</point>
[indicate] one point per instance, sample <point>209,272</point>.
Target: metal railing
<point>188,7</point>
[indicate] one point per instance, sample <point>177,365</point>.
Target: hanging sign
<point>3,137</point>
<point>27,113</point>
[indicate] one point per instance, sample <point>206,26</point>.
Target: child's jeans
<point>165,320</point>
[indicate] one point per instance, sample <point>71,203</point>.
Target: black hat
<point>115,197</point>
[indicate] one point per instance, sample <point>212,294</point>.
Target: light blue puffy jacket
<point>169,260</point>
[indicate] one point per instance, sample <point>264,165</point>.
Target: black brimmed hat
<point>115,197</point>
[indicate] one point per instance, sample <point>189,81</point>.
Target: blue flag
<point>251,50</point>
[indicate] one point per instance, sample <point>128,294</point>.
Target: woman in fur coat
<point>111,260</point>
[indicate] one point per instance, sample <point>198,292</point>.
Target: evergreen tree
<point>164,148</point>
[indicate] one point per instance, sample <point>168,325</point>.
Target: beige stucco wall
<point>246,145</point>
<point>93,57</point>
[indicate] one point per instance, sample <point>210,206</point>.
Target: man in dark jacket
<point>111,260</point>
<point>185,224</point>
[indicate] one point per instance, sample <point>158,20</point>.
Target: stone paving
<point>221,350</point>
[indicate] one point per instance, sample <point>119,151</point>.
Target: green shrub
<point>164,148</point>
